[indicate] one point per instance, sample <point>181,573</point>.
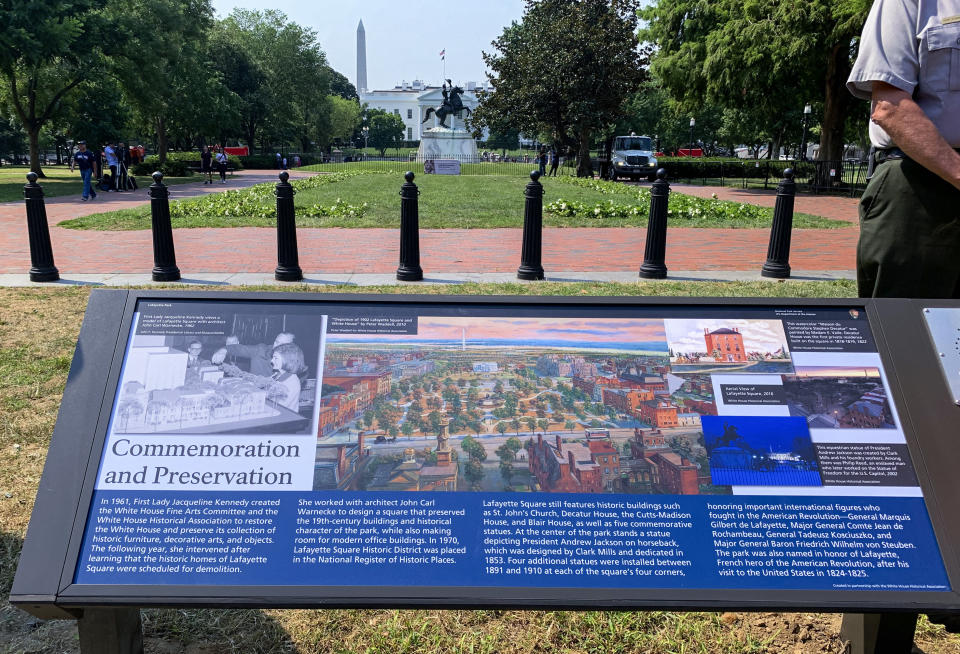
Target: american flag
<point>443,54</point>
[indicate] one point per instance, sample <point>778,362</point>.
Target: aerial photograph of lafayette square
<point>512,404</point>
<point>834,397</point>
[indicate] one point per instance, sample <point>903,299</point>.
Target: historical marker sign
<point>370,451</point>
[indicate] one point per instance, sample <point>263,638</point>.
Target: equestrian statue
<point>452,104</point>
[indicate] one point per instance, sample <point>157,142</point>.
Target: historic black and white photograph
<point>219,369</point>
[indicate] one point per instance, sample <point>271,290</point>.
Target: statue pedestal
<point>446,143</point>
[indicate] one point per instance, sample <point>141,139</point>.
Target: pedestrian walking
<point>554,162</point>
<point>907,67</point>
<point>86,161</point>
<point>222,166</point>
<point>206,164</point>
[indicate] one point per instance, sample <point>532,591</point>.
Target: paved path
<point>455,251</point>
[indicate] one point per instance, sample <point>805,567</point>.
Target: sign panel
<point>510,445</point>
<point>441,167</point>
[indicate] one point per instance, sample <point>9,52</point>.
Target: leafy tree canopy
<point>765,58</point>
<point>566,69</point>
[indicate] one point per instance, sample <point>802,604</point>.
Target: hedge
<point>690,168</point>
<point>177,164</point>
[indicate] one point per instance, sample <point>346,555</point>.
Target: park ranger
<point>909,68</point>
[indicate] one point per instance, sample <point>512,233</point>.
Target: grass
<point>59,181</point>
<point>368,199</point>
<point>38,330</point>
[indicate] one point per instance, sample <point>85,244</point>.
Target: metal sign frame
<point>44,586</point>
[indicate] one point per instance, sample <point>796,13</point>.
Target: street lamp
<point>807,110</point>
<point>693,123</point>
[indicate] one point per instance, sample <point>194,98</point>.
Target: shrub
<point>169,168</point>
<point>691,168</point>
<point>177,164</point>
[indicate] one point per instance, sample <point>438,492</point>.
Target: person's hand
<point>218,356</point>
<point>233,340</point>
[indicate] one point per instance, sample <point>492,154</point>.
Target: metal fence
<point>834,177</point>
<point>480,164</point>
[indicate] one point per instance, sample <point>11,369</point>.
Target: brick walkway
<point>334,251</point>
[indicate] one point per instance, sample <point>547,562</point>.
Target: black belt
<point>889,154</point>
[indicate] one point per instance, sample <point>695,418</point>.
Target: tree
<point>763,56</point>
<point>386,129</point>
<point>569,425</point>
<point>47,49</point>
<point>501,427</point>
<point>473,472</point>
<point>503,139</point>
<point>164,72</point>
<point>407,428</point>
<point>341,87</point>
<point>282,77</point>
<point>473,448</point>
<point>344,117</point>
<point>567,69</point>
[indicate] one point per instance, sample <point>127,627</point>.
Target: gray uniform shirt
<point>913,45</point>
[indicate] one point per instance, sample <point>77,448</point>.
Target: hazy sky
<point>573,330</point>
<point>404,39</point>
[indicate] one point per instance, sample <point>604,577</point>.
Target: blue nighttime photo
<point>760,451</point>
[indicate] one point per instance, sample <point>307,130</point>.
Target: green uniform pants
<point>909,234</point>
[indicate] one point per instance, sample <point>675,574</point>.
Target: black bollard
<point>532,249</point>
<point>778,252</point>
<point>41,251</point>
<point>288,260</point>
<point>656,249</point>
<point>409,270</point>
<point>164,258</point>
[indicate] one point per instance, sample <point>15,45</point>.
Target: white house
<point>410,101</point>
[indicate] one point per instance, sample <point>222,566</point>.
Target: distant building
<point>605,455</point>
<point>338,467</point>
<point>485,366</point>
<point>660,413</point>
<point>655,467</point>
<point>564,468</point>
<point>725,345</point>
<point>688,419</point>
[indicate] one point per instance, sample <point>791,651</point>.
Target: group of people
<point>551,156</point>
<point>209,157</point>
<point>276,368</point>
<point>282,162</point>
<point>116,159</point>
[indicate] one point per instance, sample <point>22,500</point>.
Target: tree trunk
<point>34,135</point>
<point>837,102</point>
<point>161,140</point>
<point>584,167</point>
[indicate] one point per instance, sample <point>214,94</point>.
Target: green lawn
<point>58,181</point>
<point>362,198</point>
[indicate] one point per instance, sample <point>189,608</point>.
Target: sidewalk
<point>366,255</point>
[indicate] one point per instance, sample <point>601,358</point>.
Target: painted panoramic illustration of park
<point>512,404</point>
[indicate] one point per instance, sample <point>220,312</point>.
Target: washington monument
<point>361,59</point>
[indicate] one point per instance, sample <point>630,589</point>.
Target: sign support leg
<point>110,631</point>
<point>879,633</point>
